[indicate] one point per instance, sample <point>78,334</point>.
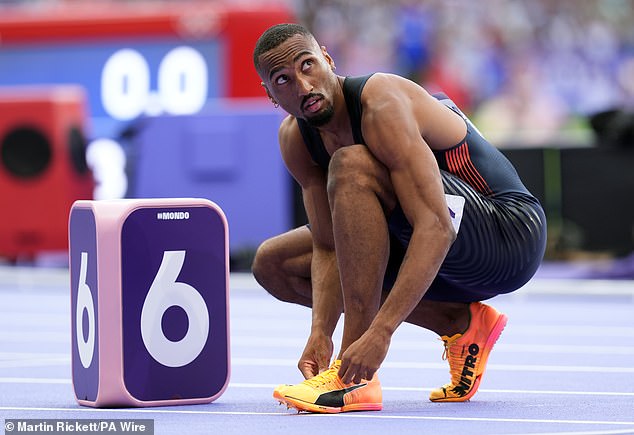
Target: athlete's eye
<point>307,64</point>
<point>281,79</point>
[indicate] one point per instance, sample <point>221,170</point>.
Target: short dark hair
<point>274,36</point>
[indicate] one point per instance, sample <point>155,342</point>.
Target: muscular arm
<point>326,288</point>
<point>394,134</point>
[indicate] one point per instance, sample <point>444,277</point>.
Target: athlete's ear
<point>328,58</point>
<point>268,94</point>
<point>266,89</point>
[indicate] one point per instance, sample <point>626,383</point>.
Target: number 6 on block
<point>86,347</point>
<point>149,297</point>
<point>164,293</point>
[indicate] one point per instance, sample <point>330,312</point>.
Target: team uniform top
<point>502,236</point>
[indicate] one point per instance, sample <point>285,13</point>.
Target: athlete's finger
<point>350,373</point>
<point>307,369</point>
<point>357,378</point>
<point>343,369</point>
<point>369,374</point>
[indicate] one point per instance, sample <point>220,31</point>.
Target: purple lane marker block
<point>160,279</point>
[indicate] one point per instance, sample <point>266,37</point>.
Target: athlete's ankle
<point>454,318</point>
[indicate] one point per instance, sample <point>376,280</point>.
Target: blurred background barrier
<point>42,167</point>
<point>588,194</point>
<point>227,152</point>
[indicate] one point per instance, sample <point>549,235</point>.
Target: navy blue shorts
<point>500,244</point>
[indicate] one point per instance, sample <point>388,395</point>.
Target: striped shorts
<point>499,247</point>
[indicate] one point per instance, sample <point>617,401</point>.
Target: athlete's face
<point>298,75</point>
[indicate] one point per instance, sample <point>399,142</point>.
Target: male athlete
<point>413,216</point>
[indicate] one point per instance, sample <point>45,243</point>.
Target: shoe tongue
<point>336,364</point>
<point>451,339</point>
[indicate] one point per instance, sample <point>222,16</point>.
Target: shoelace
<point>447,345</point>
<point>324,378</point>
<point>455,363</point>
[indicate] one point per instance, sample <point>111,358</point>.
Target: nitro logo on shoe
<point>468,371</point>
<point>334,399</point>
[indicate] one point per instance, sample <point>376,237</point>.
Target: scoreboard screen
<point>123,82</point>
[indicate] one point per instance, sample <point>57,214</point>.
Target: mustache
<point>311,95</point>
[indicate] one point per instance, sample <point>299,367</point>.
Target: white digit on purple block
<point>164,293</point>
<point>85,347</point>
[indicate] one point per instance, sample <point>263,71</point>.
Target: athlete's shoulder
<point>393,93</point>
<point>382,86</point>
<point>292,147</point>
<point>289,131</point>
<point>389,81</point>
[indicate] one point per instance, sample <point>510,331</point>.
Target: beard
<point>323,117</point>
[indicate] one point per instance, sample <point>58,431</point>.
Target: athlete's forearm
<point>426,252</point>
<point>327,296</point>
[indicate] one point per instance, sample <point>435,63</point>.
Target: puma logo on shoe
<point>335,398</point>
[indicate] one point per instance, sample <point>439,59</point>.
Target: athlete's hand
<point>364,357</point>
<point>316,356</point>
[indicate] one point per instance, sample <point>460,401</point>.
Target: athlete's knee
<point>354,170</point>
<point>269,271</point>
<point>265,263</point>
<point>351,166</point>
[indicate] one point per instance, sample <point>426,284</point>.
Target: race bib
<point>456,206</point>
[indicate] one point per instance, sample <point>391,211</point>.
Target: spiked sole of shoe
<point>301,405</point>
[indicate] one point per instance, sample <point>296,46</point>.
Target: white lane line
<point>343,415</point>
<point>564,349</point>
<point>15,360</point>
<point>481,390</point>
<point>35,325</point>
<point>27,355</point>
<point>247,385</point>
<point>279,362</point>
<point>587,331</point>
<point>255,342</point>
<point>16,380</point>
<point>434,345</point>
<point>574,287</point>
<point>520,367</point>
<point>39,362</point>
<point>34,337</point>
<point>592,432</point>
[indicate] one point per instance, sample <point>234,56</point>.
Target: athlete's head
<point>274,36</point>
<point>296,72</point>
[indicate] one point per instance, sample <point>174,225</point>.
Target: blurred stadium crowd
<point>538,65</point>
